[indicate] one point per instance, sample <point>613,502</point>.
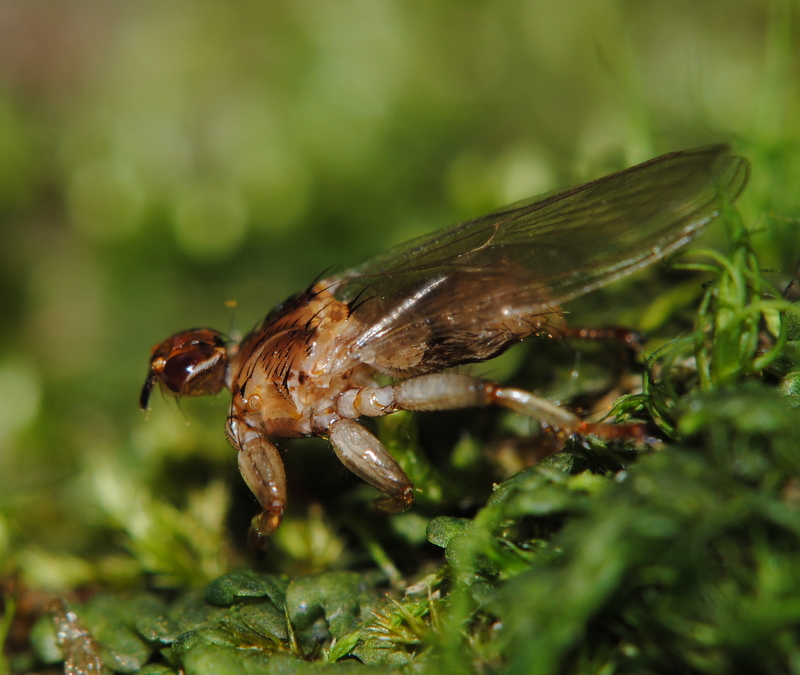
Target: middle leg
<point>362,453</point>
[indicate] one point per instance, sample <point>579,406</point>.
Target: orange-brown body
<point>457,296</point>
<point>289,372</point>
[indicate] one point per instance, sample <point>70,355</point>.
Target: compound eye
<point>191,363</point>
<point>196,369</point>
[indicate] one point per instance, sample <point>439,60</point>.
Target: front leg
<point>451,391</point>
<point>262,469</point>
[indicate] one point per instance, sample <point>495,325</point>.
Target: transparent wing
<point>466,293</point>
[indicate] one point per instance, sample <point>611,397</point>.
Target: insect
<point>460,295</point>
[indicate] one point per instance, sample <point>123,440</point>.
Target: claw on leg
<point>362,453</point>
<point>262,469</point>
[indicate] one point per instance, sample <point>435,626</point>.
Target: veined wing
<point>466,293</point>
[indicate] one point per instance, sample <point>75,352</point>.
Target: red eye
<point>190,363</point>
<point>195,370</point>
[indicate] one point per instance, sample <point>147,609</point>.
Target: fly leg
<point>626,337</point>
<point>262,469</point>
<point>450,391</point>
<point>362,453</point>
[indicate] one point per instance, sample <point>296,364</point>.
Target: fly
<point>460,295</point>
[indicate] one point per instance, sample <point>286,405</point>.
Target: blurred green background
<point>162,161</point>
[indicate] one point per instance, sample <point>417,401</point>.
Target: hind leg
<point>450,391</point>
